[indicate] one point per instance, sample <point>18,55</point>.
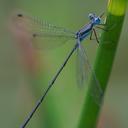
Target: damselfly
<point>42,30</point>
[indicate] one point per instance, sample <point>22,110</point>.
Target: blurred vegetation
<point>24,74</point>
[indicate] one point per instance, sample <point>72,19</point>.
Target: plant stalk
<point>104,61</point>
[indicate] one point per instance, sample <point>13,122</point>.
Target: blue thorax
<point>86,30</point>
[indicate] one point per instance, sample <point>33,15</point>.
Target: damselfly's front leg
<point>91,35</point>
<point>96,35</point>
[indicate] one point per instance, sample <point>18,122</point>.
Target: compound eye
<point>91,16</point>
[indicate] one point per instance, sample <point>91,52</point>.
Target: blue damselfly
<point>40,29</point>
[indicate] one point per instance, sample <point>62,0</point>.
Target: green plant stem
<point>104,61</point>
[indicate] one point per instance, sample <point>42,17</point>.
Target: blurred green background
<point>25,73</point>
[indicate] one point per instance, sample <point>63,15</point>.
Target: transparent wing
<point>42,33</point>
<point>85,70</point>
<point>80,66</point>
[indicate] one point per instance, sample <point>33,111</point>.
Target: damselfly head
<point>94,19</point>
<point>91,16</point>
